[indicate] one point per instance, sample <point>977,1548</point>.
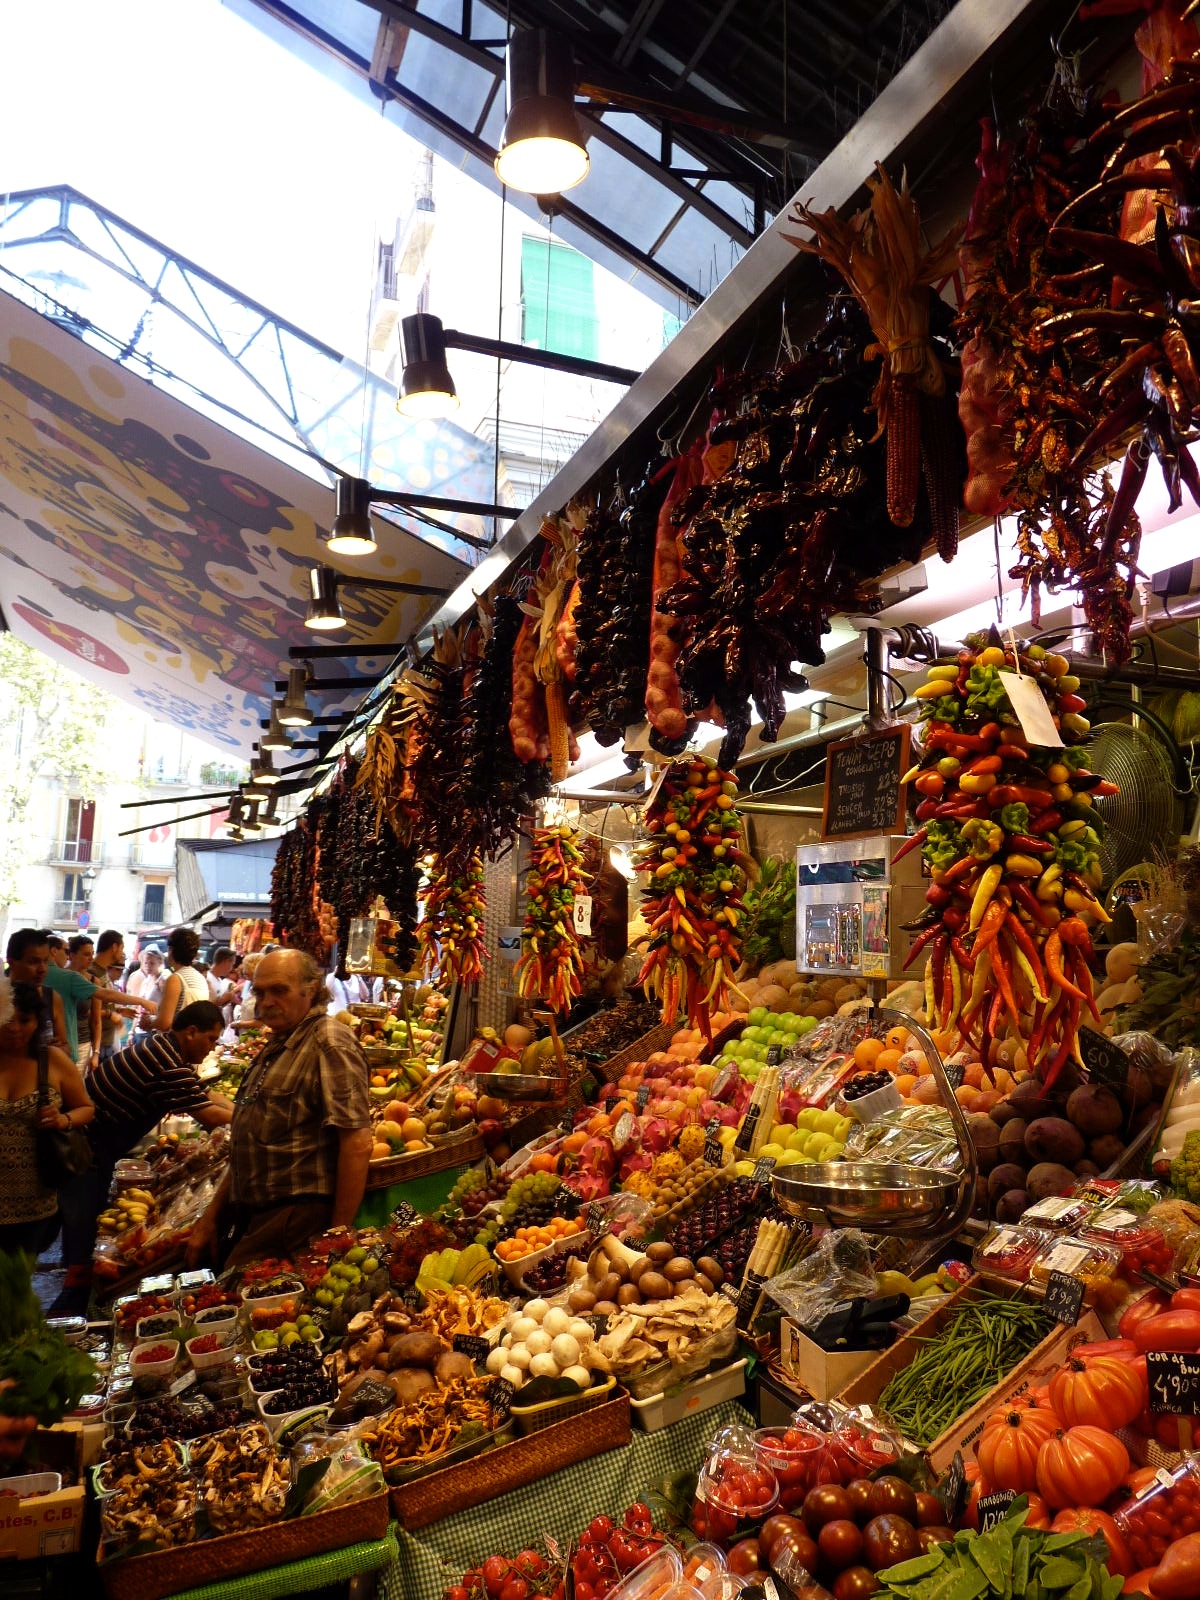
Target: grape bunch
<point>866,1083</point>
<point>533,1200</point>
<point>165,1418</point>
<point>737,1202</point>
<point>488,1233</point>
<point>471,1198</point>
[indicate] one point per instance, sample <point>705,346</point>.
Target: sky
<point>189,123</point>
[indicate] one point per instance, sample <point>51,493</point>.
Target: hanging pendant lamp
<point>426,386</point>
<point>324,608</point>
<point>351,533</point>
<point>294,710</point>
<point>542,148</point>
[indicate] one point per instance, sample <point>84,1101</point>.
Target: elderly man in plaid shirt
<point>300,1139</point>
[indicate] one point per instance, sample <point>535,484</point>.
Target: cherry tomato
<point>840,1543</point>
<point>515,1589</point>
<point>496,1570</point>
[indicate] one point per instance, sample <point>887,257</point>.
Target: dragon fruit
<point>598,1155</point>
<point>657,1135</point>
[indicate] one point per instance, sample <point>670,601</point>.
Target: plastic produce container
<point>1153,1520</point>
<point>141,1367</point>
<point>1010,1251</point>
<point>1059,1213</point>
<point>1141,1243</point>
<point>663,1570</point>
<point>1097,1265</point>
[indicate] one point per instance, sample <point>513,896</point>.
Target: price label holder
<point>731,1291</point>
<point>500,1395</point>
<point>404,1215</point>
<point>745,1136</point>
<point>1031,711</point>
<point>763,1168</point>
<point>714,1150</point>
<point>954,1075</point>
<point>581,915</point>
<point>597,1222</point>
<point>573,1194</point>
<point>1064,1297</point>
<point>952,1490</point>
<point>599,1324</point>
<point>993,1508</point>
<point>470,1344</point>
<point>643,1096</point>
<point>774,1055</point>
<point>1106,1062</point>
<point>411,1297</point>
<point>748,1293</point>
<point>1174,1380</point>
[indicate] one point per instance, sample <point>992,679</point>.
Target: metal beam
<point>917,93</point>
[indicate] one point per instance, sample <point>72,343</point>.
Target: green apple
<point>808,1119</point>
<point>782,1132</point>
<point>799,1140</point>
<point>774,1150</point>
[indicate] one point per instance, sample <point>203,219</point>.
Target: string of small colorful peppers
<point>551,964</point>
<point>1012,841</point>
<point>451,931</point>
<point>693,898</point>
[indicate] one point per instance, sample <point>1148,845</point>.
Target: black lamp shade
<point>351,533</point>
<point>324,610</point>
<point>426,386</point>
<point>276,736</point>
<point>250,822</point>
<point>294,711</point>
<point>542,148</point>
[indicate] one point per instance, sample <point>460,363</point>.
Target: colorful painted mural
<point>160,555</point>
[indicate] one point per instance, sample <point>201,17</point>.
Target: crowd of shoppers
<point>86,1042</point>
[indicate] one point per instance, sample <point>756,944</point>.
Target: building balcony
<point>67,911</point>
<point>76,852</point>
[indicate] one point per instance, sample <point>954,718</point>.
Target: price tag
<point>181,1385</point>
<point>748,1294</point>
<point>470,1344</point>
<point>730,1291</point>
<point>1031,711</point>
<point>404,1215</point>
<point>599,1324</point>
<point>597,1222</point>
<point>574,1194</point>
<point>581,915</point>
<point>411,1297</point>
<point>954,1076</point>
<point>745,1137</point>
<point>952,1490</point>
<point>993,1508</point>
<point>774,1055</point>
<point>1064,1297</point>
<point>643,1096</point>
<point>763,1168</point>
<point>714,1150</point>
<point>500,1395</point>
<point>1106,1062</point>
<point>1174,1380</point>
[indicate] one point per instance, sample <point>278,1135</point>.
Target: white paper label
<point>1113,1221</point>
<point>1065,1258</point>
<point>1031,711</point>
<point>1057,1206</point>
<point>582,914</point>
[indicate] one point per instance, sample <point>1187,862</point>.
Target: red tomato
<point>1119,1558</point>
<point>1080,1467</point>
<point>1186,1300</point>
<point>1178,1575</point>
<point>515,1589</point>
<point>1149,1305</point>
<point>1118,1349</point>
<point>840,1543</point>
<point>496,1571</point>
<point>745,1556</point>
<point>1139,1582</point>
<point>776,1528</point>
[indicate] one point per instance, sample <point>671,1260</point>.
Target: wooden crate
<point>1043,1360</point>
<point>232,1555</point>
<point>511,1466</point>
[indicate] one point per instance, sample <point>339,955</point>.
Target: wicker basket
<point>532,1419</point>
<point>167,1572</point>
<point>657,1039</point>
<point>512,1466</point>
<point>420,1163</point>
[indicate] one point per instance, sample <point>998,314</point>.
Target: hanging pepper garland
<point>1012,841</point>
<point>294,913</point>
<point>693,900</point>
<point>551,964</point>
<point>451,932</point>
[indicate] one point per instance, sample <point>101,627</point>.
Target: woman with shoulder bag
<point>42,1099</point>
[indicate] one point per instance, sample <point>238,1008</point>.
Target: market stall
<point>834,1217</point>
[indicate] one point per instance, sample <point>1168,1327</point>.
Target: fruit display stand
<point>455,1153</point>
<point>549,1499</point>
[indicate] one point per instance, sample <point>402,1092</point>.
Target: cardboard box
<point>820,1373</point>
<point>47,1525</point>
<point>1035,1370</point>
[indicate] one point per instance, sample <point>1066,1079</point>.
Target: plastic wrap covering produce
<point>789,523</point>
<point>840,1267</point>
<point>612,612</point>
<point>1012,840</point>
<point>498,787</point>
<point>696,869</point>
<point>551,964</point>
<point>880,254</point>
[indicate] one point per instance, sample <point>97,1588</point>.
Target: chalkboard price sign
<point>863,792</point>
<point>1064,1297</point>
<point>745,1137</point>
<point>403,1214</point>
<point>763,1168</point>
<point>954,1075</point>
<point>952,1489</point>
<point>470,1344</point>
<point>1174,1380</point>
<point>993,1508</point>
<point>643,1096</point>
<point>1106,1062</point>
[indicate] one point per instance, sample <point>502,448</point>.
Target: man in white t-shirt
<point>146,984</point>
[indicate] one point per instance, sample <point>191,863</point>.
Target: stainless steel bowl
<point>877,1196</point>
<point>515,1085</point>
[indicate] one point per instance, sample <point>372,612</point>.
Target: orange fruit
<point>905,1083</point>
<point>866,1051</point>
<point>966,1096</point>
<point>897,1038</point>
<point>974,1075</point>
<point>888,1060</point>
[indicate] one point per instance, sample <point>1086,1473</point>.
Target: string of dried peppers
<point>1012,841</point>
<point>692,901</point>
<point>551,964</point>
<point>450,934</point>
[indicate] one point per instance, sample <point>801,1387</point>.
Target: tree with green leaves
<point>51,726</point>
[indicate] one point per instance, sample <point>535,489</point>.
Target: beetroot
<point>985,1136</point>
<point>1032,1101</point>
<point>1004,1177</point>
<point>1109,1147</point>
<point>1012,1205</point>
<point>1012,1141</point>
<point>1054,1139</point>
<point>1094,1110</point>
<point>1049,1177</point>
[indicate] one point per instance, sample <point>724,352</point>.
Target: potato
<point>415,1350</point>
<point>712,1270</point>
<point>703,1282</point>
<point>453,1364</point>
<point>605,1308</point>
<point>656,1287</point>
<point>678,1268</point>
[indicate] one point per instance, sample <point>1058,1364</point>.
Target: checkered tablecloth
<point>561,1505</point>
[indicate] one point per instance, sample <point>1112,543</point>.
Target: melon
<point>781,972</point>
<point>773,997</point>
<point>516,1037</point>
